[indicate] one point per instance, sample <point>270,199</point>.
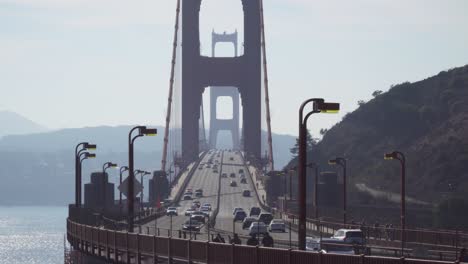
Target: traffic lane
<point>231,197</point>
<point>204,179</point>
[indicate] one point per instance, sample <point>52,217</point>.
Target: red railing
<point>123,247</point>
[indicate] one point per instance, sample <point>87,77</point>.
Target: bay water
<point>32,234</point>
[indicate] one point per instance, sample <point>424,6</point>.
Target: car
<point>243,180</point>
<point>329,245</point>
<point>200,167</point>
<point>246,193</point>
<point>198,216</point>
<point>240,216</point>
<point>265,218</point>
<point>196,203</point>
<point>199,193</point>
<point>187,197</point>
<point>277,225</point>
<point>224,175</point>
<point>191,225</point>
<point>207,205</point>
<point>236,209</point>
<point>189,212</point>
<point>188,193</point>
<point>242,175</point>
<point>255,211</point>
<point>232,175</point>
<point>257,228</point>
<point>215,171</point>
<point>208,166</point>
<point>205,210</point>
<point>231,158</point>
<point>241,171</point>
<point>171,211</point>
<point>233,183</point>
<point>353,236</point>
<point>247,222</point>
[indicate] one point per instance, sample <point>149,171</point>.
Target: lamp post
<point>122,170</point>
<point>319,106</point>
<point>401,157</point>
<point>105,166</point>
<point>315,166</point>
<point>142,131</point>
<point>341,162</point>
<point>83,146</point>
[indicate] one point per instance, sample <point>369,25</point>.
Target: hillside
<point>12,123</point>
<point>426,120</point>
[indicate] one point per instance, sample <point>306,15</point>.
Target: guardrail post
<point>126,248</point>
<point>155,256</point>
<point>147,230</point>
<point>116,253</point>
<point>169,258</point>
<point>138,256</point>
<point>107,246</point>
<point>207,248</point>
<point>232,253</point>
<point>189,257</point>
<point>402,260</point>
<point>257,256</point>
<point>363,258</point>
<point>289,255</point>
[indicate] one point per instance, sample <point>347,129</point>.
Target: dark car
<point>247,222</point>
<point>243,180</point>
<point>232,175</point>
<point>187,197</point>
<point>241,171</point>
<point>246,193</point>
<point>198,216</point>
<point>233,184</point>
<point>240,216</point>
<point>191,225</point>
<point>265,218</point>
<point>255,211</point>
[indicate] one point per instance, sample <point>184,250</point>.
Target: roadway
<point>230,197</point>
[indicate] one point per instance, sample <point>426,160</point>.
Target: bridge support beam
<point>243,72</point>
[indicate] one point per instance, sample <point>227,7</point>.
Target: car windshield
<point>339,233</point>
<point>171,208</point>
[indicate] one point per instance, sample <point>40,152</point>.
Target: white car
<point>354,236</point>
<point>329,245</point>
<point>257,228</point>
<point>189,212</point>
<point>277,225</point>
<point>205,210</point>
<point>171,211</point>
<point>207,205</point>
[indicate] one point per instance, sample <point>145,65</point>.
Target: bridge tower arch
<point>217,125</point>
<point>243,72</point>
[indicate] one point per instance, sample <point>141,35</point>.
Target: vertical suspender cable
<point>171,87</point>
<point>265,80</point>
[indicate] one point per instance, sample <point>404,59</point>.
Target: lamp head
<point>90,155</point>
<point>390,156</point>
<point>333,161</point>
<point>148,131</point>
<point>325,107</point>
<point>90,146</point>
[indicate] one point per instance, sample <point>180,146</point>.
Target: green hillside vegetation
<point>426,120</point>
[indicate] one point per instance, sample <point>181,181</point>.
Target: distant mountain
<point>426,120</point>
<point>12,123</point>
<point>38,169</point>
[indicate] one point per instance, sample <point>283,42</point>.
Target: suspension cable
<point>171,87</point>
<point>265,80</point>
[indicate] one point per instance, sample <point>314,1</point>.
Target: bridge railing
<point>387,236</point>
<point>131,248</point>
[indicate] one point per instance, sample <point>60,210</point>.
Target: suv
<point>171,211</point>
<point>246,193</point>
<point>247,222</point>
<point>199,193</point>
<point>265,218</point>
<point>241,171</point>
<point>233,184</point>
<point>352,236</point>
<point>224,175</point>
<point>255,211</point>
<point>240,216</point>
<point>329,245</point>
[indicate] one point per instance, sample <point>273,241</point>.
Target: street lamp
<point>341,162</point>
<point>104,168</point>
<point>400,157</point>
<point>142,173</point>
<point>319,106</point>
<point>83,146</point>
<point>315,166</point>
<point>142,131</point>
<point>122,170</point>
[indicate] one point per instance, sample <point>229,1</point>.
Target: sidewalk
<point>258,184</point>
<point>180,183</point>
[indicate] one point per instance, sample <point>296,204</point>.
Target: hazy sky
<point>74,63</point>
